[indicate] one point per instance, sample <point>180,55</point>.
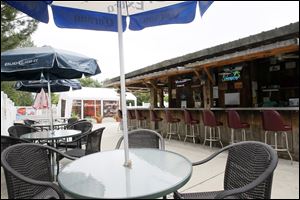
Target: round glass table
<point>154,173</point>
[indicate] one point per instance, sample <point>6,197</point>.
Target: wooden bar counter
<point>249,115</point>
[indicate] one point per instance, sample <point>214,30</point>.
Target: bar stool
<point>132,119</point>
<point>234,122</point>
<point>209,120</point>
<point>273,122</point>
<point>141,120</point>
<point>154,118</point>
<point>171,122</point>
<point>189,121</point>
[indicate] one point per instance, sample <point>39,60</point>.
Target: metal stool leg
<point>232,136</point>
<point>177,130</point>
<point>210,136</point>
<point>205,127</point>
<point>220,136</point>
<point>287,146</point>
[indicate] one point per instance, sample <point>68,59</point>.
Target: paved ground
<point>209,176</point>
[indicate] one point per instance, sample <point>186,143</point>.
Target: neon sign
<point>231,76</point>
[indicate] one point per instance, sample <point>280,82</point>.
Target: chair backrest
<point>272,120</point>
<point>83,126</point>
<point>7,141</point>
<point>29,122</point>
<point>246,162</point>
<point>143,138</point>
<point>23,161</point>
<point>72,120</point>
<point>131,114</point>
<point>233,119</point>
<point>209,118</point>
<point>20,129</point>
<point>94,141</point>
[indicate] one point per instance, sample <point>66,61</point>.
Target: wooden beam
<point>209,75</point>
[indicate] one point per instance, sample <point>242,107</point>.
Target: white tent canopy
<point>86,93</point>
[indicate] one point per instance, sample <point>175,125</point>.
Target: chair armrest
<point>266,174</point>
<point>119,142</point>
<point>211,156</point>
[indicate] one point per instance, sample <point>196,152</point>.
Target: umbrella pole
<point>50,105</point>
<point>122,81</point>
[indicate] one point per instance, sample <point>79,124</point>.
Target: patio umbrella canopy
<point>41,100</point>
<point>111,16</point>
<point>55,85</point>
<point>35,63</point>
<point>28,64</point>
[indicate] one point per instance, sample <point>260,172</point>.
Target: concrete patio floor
<point>209,176</point>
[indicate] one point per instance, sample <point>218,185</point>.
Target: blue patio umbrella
<point>62,85</point>
<point>34,63</point>
<point>111,16</point>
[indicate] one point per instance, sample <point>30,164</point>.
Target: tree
<point>89,82</point>
<point>16,29</point>
<point>142,97</point>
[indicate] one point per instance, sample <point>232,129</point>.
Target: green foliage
<point>54,98</point>
<point>16,28</point>
<point>89,82</point>
<point>20,98</point>
<point>142,97</point>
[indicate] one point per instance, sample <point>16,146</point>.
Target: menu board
<point>232,98</point>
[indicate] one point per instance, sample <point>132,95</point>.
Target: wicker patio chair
<point>20,129</point>
<point>28,172</point>
<point>143,138</point>
<point>248,174</point>
<point>7,141</point>
<point>77,141</point>
<point>93,144</point>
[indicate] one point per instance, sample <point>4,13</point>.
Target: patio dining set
<point>29,157</point>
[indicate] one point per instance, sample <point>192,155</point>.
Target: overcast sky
<point>223,22</point>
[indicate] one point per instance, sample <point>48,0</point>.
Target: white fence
<point>8,113</point>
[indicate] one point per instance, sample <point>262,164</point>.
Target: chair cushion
<point>157,119</point>
<point>175,120</point>
<point>195,121</point>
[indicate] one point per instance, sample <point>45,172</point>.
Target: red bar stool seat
<point>155,119</point>
<point>141,120</point>
<point>171,121</point>
<point>209,120</point>
<point>193,123</point>
<point>234,122</point>
<point>273,122</point>
<point>132,119</point>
